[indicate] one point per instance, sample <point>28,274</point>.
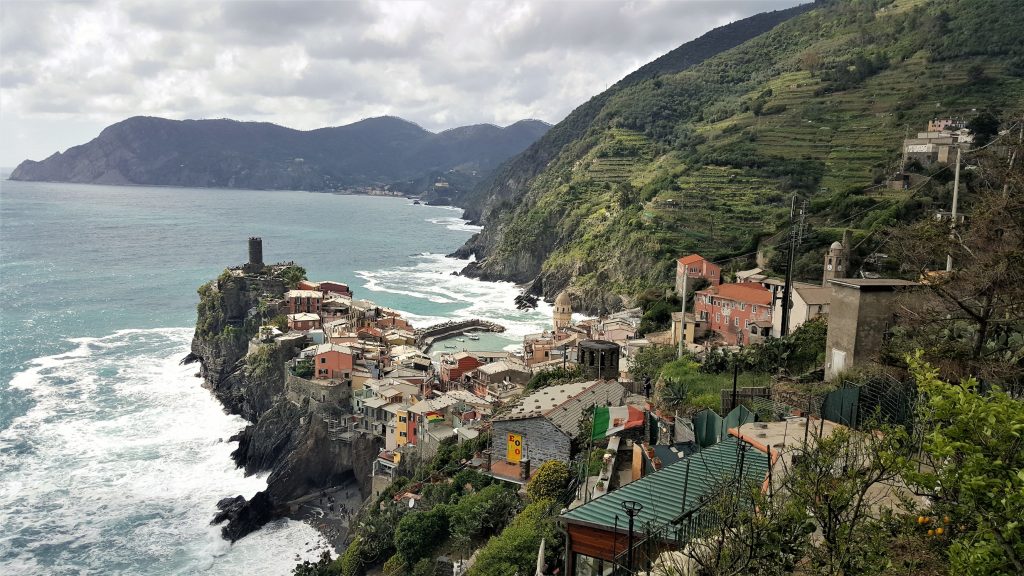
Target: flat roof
<point>872,284</point>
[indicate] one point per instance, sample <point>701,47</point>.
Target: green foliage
<point>554,377</point>
<point>795,353</point>
<point>550,482</point>
<point>648,362</point>
<point>515,549</point>
<point>262,362</point>
<point>352,559</point>
<point>426,567</point>
<point>419,533</point>
<point>292,275</point>
<point>974,443</point>
<point>395,566</point>
<point>477,516</point>
<point>321,567</point>
<point>303,369</point>
<point>280,322</point>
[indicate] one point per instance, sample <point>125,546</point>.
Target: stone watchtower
<point>562,314</point>
<point>255,263</point>
<point>837,260</point>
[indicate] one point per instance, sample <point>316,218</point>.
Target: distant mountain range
<point>231,154</point>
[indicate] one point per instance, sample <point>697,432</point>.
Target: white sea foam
<point>118,465</point>
<point>456,224</point>
<point>429,277</point>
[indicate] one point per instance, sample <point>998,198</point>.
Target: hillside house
<point>548,419</point>
<point>696,266</point>
<point>303,321</point>
<point>332,361</point>
<point>328,287</point>
<point>807,301</point>
<point>454,366</point>
<point>741,314</point>
<point>299,301</point>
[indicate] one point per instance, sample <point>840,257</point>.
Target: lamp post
<point>632,508</point>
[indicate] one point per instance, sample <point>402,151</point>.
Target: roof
<point>749,273</point>
<point>432,405</point>
<point>743,292</point>
<point>563,299</point>
<point>661,493</point>
<point>303,294</point>
<point>813,294</point>
<point>502,366</point>
<point>598,345</point>
<point>303,316</point>
<point>466,397</point>
<point>564,405</point>
<point>872,284</point>
<point>691,259</point>
<point>375,402</point>
<point>324,348</point>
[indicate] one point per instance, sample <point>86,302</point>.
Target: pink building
<point>308,301</point>
<point>695,266</point>
<point>303,321</point>
<point>332,361</point>
<point>739,313</point>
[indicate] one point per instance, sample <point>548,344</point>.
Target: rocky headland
<point>289,432</point>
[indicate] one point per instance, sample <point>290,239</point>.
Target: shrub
<point>550,482</point>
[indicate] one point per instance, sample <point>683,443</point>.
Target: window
<point>403,434</point>
<point>753,308</point>
<point>753,329</point>
<point>736,321</point>
<point>746,323</point>
<point>718,317</point>
<point>402,419</point>
<point>743,305</point>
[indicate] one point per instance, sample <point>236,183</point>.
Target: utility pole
<point>789,269</point>
<point>956,198</point>
<point>682,323</point>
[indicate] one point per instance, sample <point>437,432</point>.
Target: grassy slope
<point>682,163</point>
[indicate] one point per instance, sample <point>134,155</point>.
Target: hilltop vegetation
<point>707,159</point>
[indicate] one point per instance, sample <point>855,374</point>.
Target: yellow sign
<point>515,448</point>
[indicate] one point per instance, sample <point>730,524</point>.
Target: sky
<point>69,69</point>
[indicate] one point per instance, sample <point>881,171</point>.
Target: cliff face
<point>288,439</point>
<point>230,154</point>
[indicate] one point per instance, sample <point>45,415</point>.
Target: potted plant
<point>599,487</point>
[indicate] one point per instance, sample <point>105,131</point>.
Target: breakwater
<point>426,337</point>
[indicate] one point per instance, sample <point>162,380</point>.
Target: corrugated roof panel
<point>661,493</point>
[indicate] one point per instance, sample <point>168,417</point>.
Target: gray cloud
<point>317,63</point>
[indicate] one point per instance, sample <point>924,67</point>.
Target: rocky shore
<point>288,439</point>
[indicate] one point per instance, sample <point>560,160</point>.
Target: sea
<point>112,455</point>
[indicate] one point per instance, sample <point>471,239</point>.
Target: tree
<point>550,482</point>
<point>515,549</point>
<point>969,321</point>
<point>419,533</point>
<point>648,361</point>
<point>973,444</point>
<point>478,516</point>
<point>984,126</point>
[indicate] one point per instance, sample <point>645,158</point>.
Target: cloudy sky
<point>67,69</point>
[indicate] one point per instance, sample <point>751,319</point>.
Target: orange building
<point>739,313</point>
<point>333,361</point>
<point>454,366</point>
<point>308,301</point>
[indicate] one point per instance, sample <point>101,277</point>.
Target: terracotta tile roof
<point>745,292</point>
<point>691,259</point>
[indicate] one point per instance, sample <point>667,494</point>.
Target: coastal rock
<point>287,439</point>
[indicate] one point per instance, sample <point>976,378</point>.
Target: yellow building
<point>562,315</point>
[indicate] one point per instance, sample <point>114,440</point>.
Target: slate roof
<point>564,405</point>
<point>661,493</point>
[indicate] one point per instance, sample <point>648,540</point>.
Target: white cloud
<point>318,63</point>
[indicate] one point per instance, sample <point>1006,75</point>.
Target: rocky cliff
<point>288,439</point>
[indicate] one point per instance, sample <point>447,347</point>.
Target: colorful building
<point>740,313</point>
<point>332,361</point>
<point>308,301</point>
<point>695,266</point>
<point>455,365</point>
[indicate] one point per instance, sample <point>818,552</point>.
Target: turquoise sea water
<point>111,454</point>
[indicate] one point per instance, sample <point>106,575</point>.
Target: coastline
<point>331,514</point>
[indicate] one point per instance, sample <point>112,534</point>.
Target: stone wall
<point>543,440</point>
<point>322,394</point>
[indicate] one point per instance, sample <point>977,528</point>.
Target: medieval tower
<point>255,263</point>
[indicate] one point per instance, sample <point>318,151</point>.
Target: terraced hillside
<point>708,159</point>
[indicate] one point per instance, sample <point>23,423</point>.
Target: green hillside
<point>708,159</point>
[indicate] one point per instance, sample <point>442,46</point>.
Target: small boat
<point>460,339</point>
<point>450,346</point>
<point>472,336</point>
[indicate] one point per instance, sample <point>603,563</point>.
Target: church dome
<point>562,300</point>
<point>836,246</point>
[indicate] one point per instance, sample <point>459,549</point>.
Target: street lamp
<point>632,509</point>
